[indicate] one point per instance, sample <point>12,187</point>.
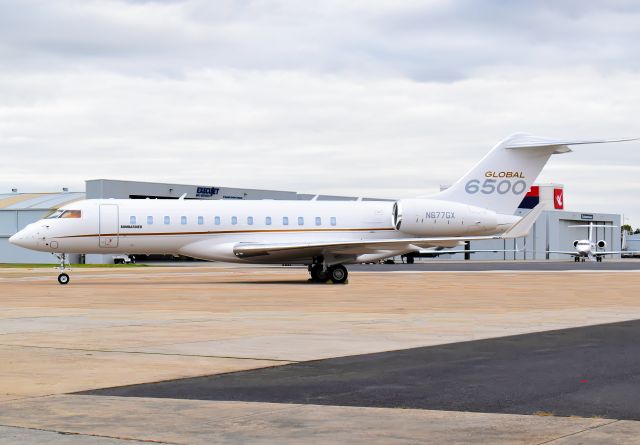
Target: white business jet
<point>324,235</point>
<point>587,249</point>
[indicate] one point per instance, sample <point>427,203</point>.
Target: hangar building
<point>551,231</point>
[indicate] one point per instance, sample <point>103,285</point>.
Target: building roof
<point>38,201</point>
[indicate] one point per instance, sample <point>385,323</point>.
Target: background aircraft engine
<point>432,217</point>
<point>602,244</point>
<point>575,243</point>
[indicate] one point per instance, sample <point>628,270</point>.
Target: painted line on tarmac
<point>149,275</point>
<point>501,271</point>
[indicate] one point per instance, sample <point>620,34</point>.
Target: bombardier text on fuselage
<point>324,235</point>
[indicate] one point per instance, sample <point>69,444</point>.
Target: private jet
<point>587,249</point>
<point>323,235</point>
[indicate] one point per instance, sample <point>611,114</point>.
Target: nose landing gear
<point>63,278</point>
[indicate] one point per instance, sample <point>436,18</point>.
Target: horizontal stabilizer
<point>523,141</point>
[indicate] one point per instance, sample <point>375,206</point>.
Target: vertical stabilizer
<point>501,179</point>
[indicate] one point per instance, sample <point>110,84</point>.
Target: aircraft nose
<point>22,239</point>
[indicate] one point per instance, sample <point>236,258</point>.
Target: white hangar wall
<point>551,231</point>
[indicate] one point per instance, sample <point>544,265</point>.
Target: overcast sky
<point>382,98</point>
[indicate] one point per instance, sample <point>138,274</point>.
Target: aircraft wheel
<point>576,259</point>
<point>338,274</point>
<point>410,259</point>
<point>63,278</point>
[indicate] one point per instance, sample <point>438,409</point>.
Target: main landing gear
<point>63,278</point>
<point>336,274</point>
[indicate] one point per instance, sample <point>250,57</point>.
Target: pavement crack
<point>116,351</point>
<point>578,432</point>
<point>104,436</point>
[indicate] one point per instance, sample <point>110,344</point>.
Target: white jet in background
<point>324,235</point>
<point>587,249</point>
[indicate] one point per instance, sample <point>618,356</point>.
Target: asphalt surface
<point>483,266</point>
<point>589,371</point>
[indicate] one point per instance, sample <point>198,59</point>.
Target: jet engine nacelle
<point>575,243</point>
<point>432,217</point>
<point>602,244</point>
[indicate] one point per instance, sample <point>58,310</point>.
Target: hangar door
<point>108,225</point>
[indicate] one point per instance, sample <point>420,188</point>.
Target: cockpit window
<point>55,214</point>
<point>71,214</point>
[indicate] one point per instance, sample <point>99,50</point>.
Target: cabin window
<point>200,220</point>
<point>285,220</point>
<point>318,221</point>
<point>267,220</point>
<point>250,220</point>
<point>149,220</point>
<point>333,221</point>
<point>234,220</point>
<point>300,221</point>
<point>132,220</point>
<point>216,220</point>
<point>183,220</point>
<point>167,220</point>
<point>71,214</point>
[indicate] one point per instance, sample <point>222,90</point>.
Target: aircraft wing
<point>359,247</point>
<point>451,252</point>
<point>248,250</point>
<point>563,252</point>
<point>618,252</point>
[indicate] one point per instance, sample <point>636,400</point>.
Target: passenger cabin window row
<point>217,220</point>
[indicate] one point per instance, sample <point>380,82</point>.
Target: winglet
<point>522,227</point>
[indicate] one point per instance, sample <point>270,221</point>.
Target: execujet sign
<point>206,192</point>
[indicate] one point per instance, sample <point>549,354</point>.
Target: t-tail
<point>501,179</point>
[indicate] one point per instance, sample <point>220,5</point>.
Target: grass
<point>71,266</point>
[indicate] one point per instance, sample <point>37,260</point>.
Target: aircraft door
<point>108,226</point>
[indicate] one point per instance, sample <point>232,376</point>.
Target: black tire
<point>410,259</point>
<point>338,274</point>
<point>63,278</point>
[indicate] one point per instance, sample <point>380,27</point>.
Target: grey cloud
<point>442,41</point>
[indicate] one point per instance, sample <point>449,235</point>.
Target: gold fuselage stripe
<point>226,232</point>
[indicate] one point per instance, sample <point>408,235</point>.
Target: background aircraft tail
<point>502,178</point>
